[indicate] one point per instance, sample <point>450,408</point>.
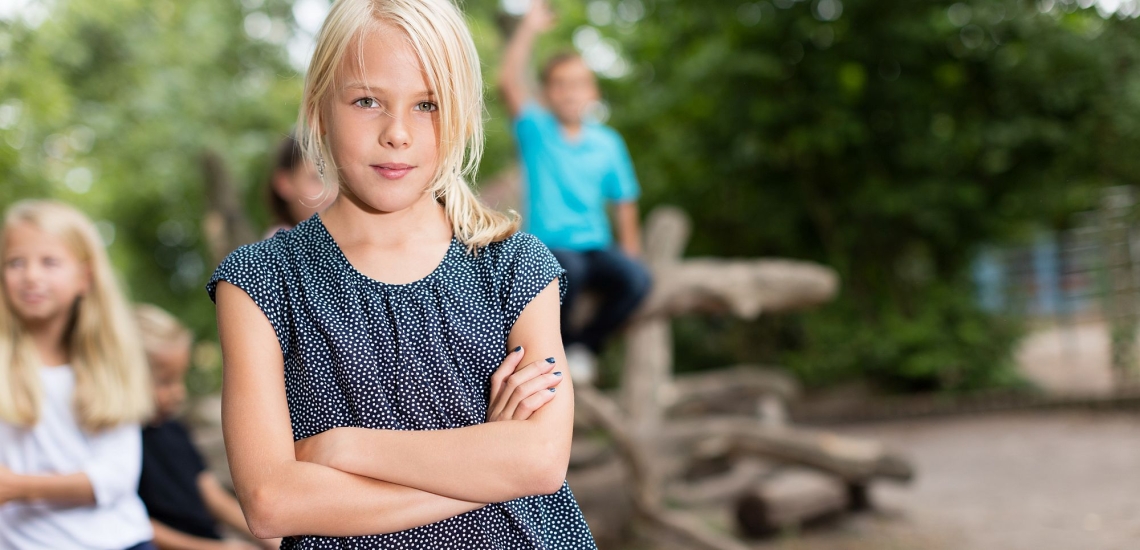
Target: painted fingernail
<point>552,390</point>
<point>557,373</point>
<point>516,350</point>
<point>550,360</point>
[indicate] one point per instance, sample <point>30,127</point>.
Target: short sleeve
<point>621,184</point>
<point>525,269</point>
<point>256,269</point>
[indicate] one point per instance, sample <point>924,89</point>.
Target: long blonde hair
<point>438,34</point>
<point>112,383</point>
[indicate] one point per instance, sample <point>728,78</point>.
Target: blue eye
<point>427,106</point>
<point>366,103</point>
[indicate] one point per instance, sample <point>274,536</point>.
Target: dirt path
<point>1029,481</point>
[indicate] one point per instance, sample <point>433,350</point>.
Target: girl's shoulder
<point>522,266</point>
<point>518,250</point>
<point>520,241</point>
<point>266,261</point>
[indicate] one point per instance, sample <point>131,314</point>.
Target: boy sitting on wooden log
<point>572,168</point>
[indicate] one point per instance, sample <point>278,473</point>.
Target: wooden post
<point>649,340</point>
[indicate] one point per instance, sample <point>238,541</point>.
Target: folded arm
<point>279,495</point>
<point>109,473</point>
<point>68,489</point>
<point>491,462</point>
<point>224,508</point>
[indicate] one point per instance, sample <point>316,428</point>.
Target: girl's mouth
<point>392,171</point>
<point>32,298</point>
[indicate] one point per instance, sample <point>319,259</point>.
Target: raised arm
<point>279,495</point>
<point>491,462</point>
<point>512,79</point>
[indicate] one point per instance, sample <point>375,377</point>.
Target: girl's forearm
<point>298,498</point>
<point>221,504</point>
<point>69,489</point>
<point>168,538</point>
<point>491,462</point>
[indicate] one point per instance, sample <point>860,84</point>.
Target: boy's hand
<point>539,17</point>
<point>516,393</point>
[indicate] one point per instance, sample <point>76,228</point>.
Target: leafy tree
<point>889,139</point>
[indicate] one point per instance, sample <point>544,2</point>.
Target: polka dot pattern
<point>417,356</point>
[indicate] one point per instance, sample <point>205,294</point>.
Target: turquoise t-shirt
<point>567,183</point>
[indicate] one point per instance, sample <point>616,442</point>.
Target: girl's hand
<point>8,490</point>
<point>516,393</point>
<point>270,544</point>
<point>321,448</point>
<point>238,545</point>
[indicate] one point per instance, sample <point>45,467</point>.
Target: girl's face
<point>381,123</point>
<point>42,277</point>
<point>301,189</point>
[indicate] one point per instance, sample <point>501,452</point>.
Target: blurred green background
<point>889,139</point>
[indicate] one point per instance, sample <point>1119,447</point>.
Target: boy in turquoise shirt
<point>572,169</point>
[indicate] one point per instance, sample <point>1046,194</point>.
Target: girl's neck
<point>349,219</point>
<point>49,338</point>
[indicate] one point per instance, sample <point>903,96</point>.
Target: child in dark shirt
<point>184,500</point>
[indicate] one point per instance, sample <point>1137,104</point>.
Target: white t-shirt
<point>112,460</point>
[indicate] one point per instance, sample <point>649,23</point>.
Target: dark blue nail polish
<point>557,373</point>
<point>551,390</point>
<point>550,360</point>
<point>516,350</point>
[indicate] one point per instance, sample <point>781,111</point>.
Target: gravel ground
<point>1063,480</point>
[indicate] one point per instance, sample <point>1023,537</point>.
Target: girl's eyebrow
<point>363,86</point>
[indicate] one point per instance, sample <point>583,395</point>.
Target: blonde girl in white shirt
<point>73,389</point>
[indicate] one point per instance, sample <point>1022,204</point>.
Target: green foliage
<point>889,142</point>
<point>886,138</point>
<point>109,106</point>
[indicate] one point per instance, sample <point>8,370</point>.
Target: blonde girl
<point>365,392</point>
<point>73,389</point>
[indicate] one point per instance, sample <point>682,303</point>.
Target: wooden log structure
<point>774,475</point>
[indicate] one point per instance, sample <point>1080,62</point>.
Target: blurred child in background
<point>185,501</point>
<point>573,168</point>
<point>73,389</point>
<point>295,188</point>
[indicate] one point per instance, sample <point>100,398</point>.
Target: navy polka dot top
<point>416,356</point>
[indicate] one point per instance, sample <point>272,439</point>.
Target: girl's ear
<point>282,183</point>
<point>88,280</point>
<point>321,113</point>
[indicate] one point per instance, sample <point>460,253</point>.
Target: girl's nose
<point>395,133</point>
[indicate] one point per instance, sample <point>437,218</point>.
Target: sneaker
<point>582,363</point>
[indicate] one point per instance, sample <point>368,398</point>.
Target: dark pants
<point>143,546</point>
<point>620,282</point>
